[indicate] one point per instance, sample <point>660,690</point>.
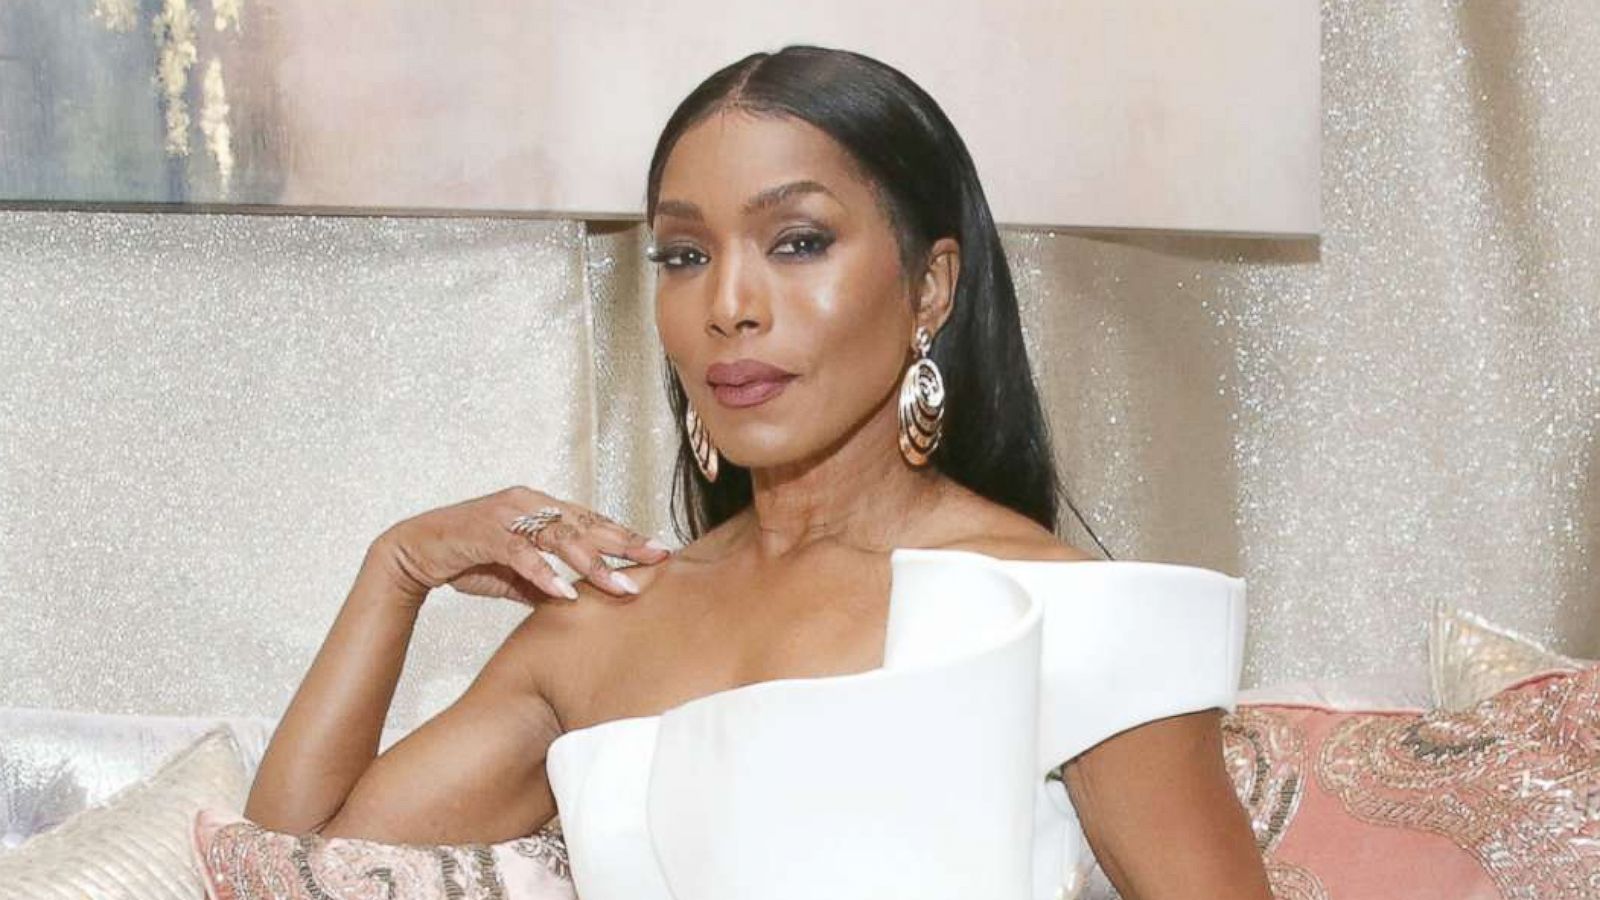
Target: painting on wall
<point>1092,113</point>
<point>116,100</point>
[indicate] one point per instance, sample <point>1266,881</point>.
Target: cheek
<point>674,329</point>
<point>859,331</point>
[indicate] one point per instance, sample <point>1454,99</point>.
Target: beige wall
<point>1089,113</point>
<point>1104,113</point>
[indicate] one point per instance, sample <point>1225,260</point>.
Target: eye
<point>674,257</point>
<point>805,243</point>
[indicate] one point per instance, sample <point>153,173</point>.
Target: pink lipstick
<point>746,382</point>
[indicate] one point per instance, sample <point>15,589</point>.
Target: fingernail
<point>625,582</point>
<point>654,544</point>
<point>567,590</point>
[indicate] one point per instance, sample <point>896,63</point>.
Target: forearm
<point>1218,860</point>
<point>1162,816</point>
<point>331,730</point>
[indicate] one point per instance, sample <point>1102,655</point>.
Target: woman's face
<point>773,249</point>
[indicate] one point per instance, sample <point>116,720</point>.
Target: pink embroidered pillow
<point>1495,801</point>
<point>241,860</point>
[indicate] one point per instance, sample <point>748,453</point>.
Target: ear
<point>937,287</point>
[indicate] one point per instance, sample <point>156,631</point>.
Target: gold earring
<point>705,452</point>
<point>921,405</point>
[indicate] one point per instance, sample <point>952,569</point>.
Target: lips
<point>746,382</point>
<point>744,371</point>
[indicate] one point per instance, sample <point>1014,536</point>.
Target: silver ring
<point>530,526</point>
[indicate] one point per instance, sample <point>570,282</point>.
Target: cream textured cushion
<point>1470,659</point>
<point>136,845</point>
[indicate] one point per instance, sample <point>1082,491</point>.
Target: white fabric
<point>923,778</point>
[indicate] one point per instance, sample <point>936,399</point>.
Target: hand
<point>469,546</point>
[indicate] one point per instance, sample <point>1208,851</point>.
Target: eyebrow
<point>683,209</point>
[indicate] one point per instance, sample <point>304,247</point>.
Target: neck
<point>860,492</point>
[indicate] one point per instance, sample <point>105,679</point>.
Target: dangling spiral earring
<point>705,452</point>
<point>921,405</point>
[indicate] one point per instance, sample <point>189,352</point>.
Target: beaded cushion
<point>244,860</point>
<point>1501,799</point>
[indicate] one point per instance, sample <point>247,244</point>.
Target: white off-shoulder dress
<point>925,778</point>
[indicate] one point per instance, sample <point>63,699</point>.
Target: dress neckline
<point>894,553</point>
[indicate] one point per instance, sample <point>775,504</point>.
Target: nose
<point>737,300</point>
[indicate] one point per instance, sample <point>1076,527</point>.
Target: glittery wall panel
<point>1136,372</point>
<point>1407,411</point>
<point>1420,408</point>
<point>637,438</point>
<point>204,420</point>
<point>1403,412</point>
<point>1135,341</point>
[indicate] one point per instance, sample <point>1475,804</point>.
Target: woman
<point>826,259</point>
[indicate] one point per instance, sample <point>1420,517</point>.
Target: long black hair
<point>996,440</point>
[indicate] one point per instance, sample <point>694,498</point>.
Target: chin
<point>770,447</point>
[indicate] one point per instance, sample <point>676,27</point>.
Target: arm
<point>473,773</point>
<point>1161,814</point>
<point>330,733</point>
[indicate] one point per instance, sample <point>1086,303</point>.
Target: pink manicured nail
<point>625,582</point>
<point>654,544</point>
<point>567,590</point>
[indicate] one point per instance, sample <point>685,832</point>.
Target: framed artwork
<point>1079,113</point>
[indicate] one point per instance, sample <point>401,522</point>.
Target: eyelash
<point>670,257</point>
<point>820,239</point>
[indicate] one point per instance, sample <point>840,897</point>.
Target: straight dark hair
<point>996,440</point>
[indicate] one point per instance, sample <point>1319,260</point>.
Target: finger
<point>498,580</point>
<point>566,541</point>
<point>501,581</point>
<point>525,559</point>
<point>614,539</point>
<point>525,591</point>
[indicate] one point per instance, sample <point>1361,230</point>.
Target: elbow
<point>276,810</point>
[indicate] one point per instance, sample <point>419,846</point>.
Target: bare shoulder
<point>976,523</point>
<point>560,648</point>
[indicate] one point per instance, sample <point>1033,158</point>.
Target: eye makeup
<point>805,243</point>
<point>670,257</point>
<point>817,240</point>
